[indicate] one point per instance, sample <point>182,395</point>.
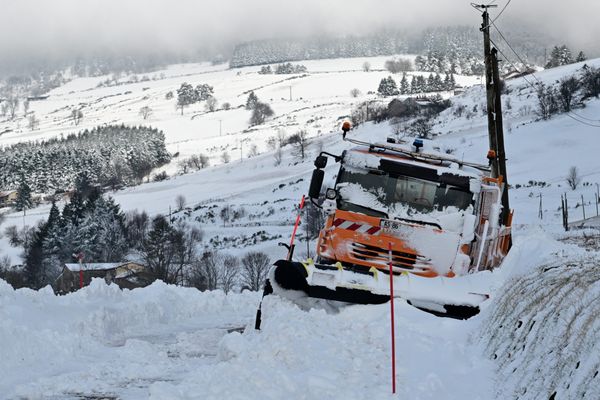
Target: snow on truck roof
<point>361,157</point>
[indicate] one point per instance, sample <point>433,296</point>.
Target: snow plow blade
<point>296,281</point>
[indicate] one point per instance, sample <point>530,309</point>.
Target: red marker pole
<point>297,223</point>
<point>392,320</point>
<point>80,258</point>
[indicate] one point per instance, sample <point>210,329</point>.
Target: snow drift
<point>543,330</point>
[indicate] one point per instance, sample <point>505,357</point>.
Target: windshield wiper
<point>371,210</point>
<point>419,222</point>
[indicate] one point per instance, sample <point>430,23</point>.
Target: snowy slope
<point>101,341</point>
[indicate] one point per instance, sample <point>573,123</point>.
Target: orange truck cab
<point>428,214</point>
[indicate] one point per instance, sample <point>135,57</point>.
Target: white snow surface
<point>166,342</point>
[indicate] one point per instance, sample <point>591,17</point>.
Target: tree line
<point>94,225</point>
<point>418,84</point>
<point>112,155</point>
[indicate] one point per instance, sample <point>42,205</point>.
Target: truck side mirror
<point>315,183</point>
<point>321,162</point>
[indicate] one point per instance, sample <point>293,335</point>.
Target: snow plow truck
<point>436,219</point>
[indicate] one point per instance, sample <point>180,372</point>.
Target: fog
<point>67,28</point>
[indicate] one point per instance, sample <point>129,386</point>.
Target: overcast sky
<point>64,27</point>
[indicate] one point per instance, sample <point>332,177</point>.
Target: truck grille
<point>379,256</point>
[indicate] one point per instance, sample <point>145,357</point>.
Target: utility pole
<point>489,86</point>
<point>499,133</point>
<point>494,110</point>
<point>220,127</point>
<point>290,92</point>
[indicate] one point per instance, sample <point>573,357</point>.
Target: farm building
<point>8,197</point>
<point>127,275</point>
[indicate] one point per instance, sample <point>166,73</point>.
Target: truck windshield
<point>391,191</point>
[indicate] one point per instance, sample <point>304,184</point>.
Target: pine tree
<point>413,85</point>
<point>52,244</point>
<point>23,201</point>
<point>159,248</point>
<point>438,85</point>
<point>560,56</point>
<point>251,101</point>
<point>404,87</point>
<point>33,257</point>
<point>421,84</point>
<point>387,87</point>
<point>73,212</point>
<point>430,85</point>
<point>565,55</point>
<point>420,63</point>
<point>581,57</point>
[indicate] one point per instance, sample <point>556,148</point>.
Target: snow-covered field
<point>171,343</point>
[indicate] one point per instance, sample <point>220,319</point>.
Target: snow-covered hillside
<point>172,343</point>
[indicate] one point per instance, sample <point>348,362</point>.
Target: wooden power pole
<point>494,110</point>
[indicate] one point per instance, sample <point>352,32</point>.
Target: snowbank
<point>315,355</point>
<point>542,329</point>
<point>165,342</point>
<point>68,344</point>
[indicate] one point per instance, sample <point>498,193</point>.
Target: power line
<point>535,77</point>
<point>568,114</point>
<point>485,6</point>
<point>501,11</point>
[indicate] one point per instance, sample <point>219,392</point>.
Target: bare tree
<point>145,112</point>
<point>32,122</point>
<point>226,106</point>
<point>225,214</point>
<point>398,65</point>
<point>197,161</point>
<point>180,202</point>
<point>13,105</point>
<point>573,178</point>
<point>76,116</point>
<point>205,273</point>
<point>281,137</point>
<point>355,92</point>
<point>228,273</point>
<point>225,157</point>
<point>253,152</point>
<point>421,127</point>
<point>25,107</point>
<point>366,66</point>
<point>278,155</point>
<point>255,268</point>
<point>300,141</point>
<point>4,108</point>
<point>566,91</point>
<point>211,104</point>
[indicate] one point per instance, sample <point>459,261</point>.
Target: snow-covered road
<point>166,342</point>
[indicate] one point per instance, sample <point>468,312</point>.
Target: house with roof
<point>8,197</point>
<point>126,275</point>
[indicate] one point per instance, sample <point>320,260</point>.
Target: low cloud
<point>62,28</point>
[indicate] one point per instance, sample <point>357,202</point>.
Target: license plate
<point>392,227</point>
